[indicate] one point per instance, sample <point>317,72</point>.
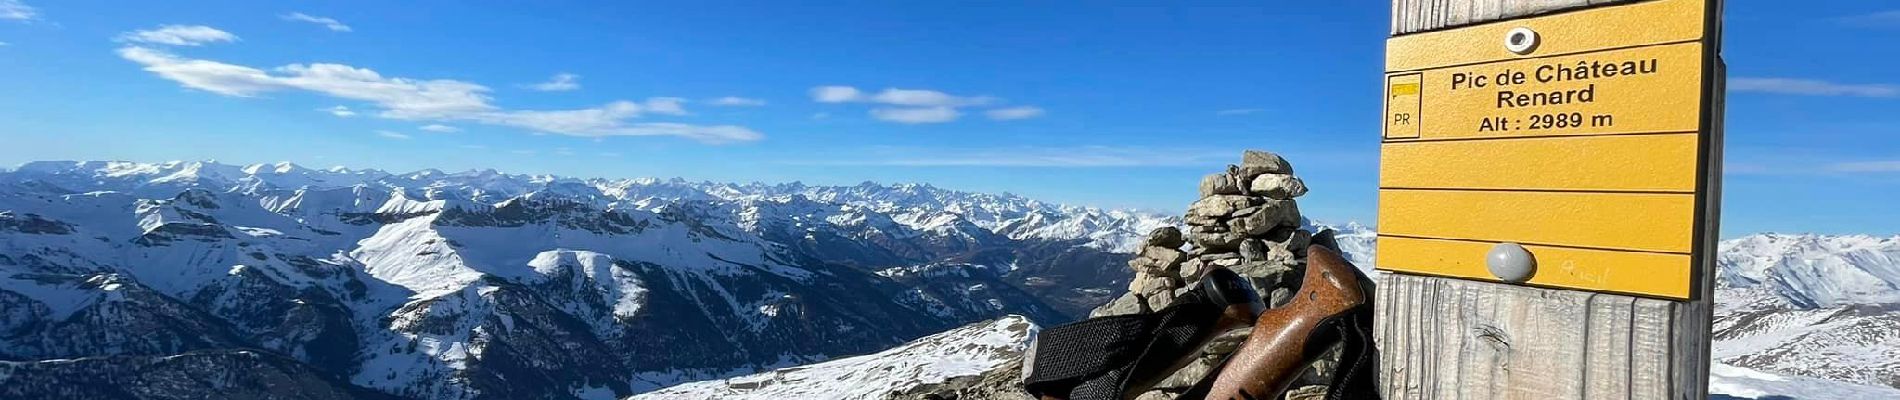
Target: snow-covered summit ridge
<point>1813,271</point>
<point>920,206</point>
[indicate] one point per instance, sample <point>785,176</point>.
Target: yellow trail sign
<point>1583,137</point>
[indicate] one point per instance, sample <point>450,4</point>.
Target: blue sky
<point>1099,104</point>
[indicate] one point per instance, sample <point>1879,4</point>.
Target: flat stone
<point>1219,205</point>
<point>1167,258</point>
<point>1253,249</point>
<point>1289,213</point>
<point>1262,269</point>
<point>1194,220</point>
<point>1145,265</point>
<point>1274,214</point>
<point>1299,240</point>
<point>1167,236</point>
<point>1268,251</point>
<point>1277,186</point>
<point>1214,228</point>
<point>1129,303</point>
<point>1148,285</point>
<point>1313,392</point>
<point>1192,269</point>
<point>1217,240</point>
<point>1161,299</point>
<point>1268,162</point>
<point>1156,395</point>
<point>1189,374</point>
<point>1217,255</point>
<point>1281,253</point>
<point>1218,184</point>
<point>1255,224</point>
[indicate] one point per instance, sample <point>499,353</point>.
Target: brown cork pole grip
<point>1275,352</point>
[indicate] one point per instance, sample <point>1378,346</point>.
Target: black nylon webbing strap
<point>1098,358</point>
<point>1356,376</point>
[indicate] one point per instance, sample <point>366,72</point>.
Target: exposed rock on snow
<point>963,352</point>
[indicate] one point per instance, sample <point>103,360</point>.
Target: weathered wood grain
<point>1410,16</point>
<point>1456,339</point>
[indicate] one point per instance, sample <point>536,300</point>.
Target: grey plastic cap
<point>1511,262</point>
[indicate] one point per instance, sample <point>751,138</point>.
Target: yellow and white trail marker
<point>1589,137</point>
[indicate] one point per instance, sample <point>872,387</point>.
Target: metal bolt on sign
<point>1521,40</point>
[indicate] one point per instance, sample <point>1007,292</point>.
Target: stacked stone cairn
<point>1245,221</point>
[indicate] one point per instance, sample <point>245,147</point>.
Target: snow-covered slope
<point>965,351</point>
<point>983,348</point>
<point>472,284</point>
<point>1727,382</point>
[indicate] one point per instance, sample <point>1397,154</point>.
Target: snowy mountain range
<point>122,279</point>
<point>350,283</point>
<point>1811,305</point>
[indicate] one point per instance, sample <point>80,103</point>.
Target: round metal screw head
<point>1520,40</point>
<point>1511,262</point>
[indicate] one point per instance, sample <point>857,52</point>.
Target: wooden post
<point>1450,333</point>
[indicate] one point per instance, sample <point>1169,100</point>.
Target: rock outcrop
<point>1246,220</point>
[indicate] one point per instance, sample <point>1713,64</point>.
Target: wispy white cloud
<point>523,152</point>
<point>432,100</point>
<point>1866,166</point>
<point>1811,87</point>
<point>17,11</point>
<point>1031,156</point>
<point>835,94</point>
<point>474,147</point>
<point>339,111</point>
<point>4,44</point>
<point>393,135</point>
<point>916,115</point>
<point>327,22</point>
<point>1239,111</point>
<point>440,128</point>
<point>821,115</point>
<point>179,35</point>
<point>1014,113</point>
<point>609,154</point>
<point>897,97</point>
<point>734,101</point>
<point>561,82</point>
<point>1883,19</point>
<point>919,106</point>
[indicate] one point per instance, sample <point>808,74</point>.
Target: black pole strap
<point>1099,358</point>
